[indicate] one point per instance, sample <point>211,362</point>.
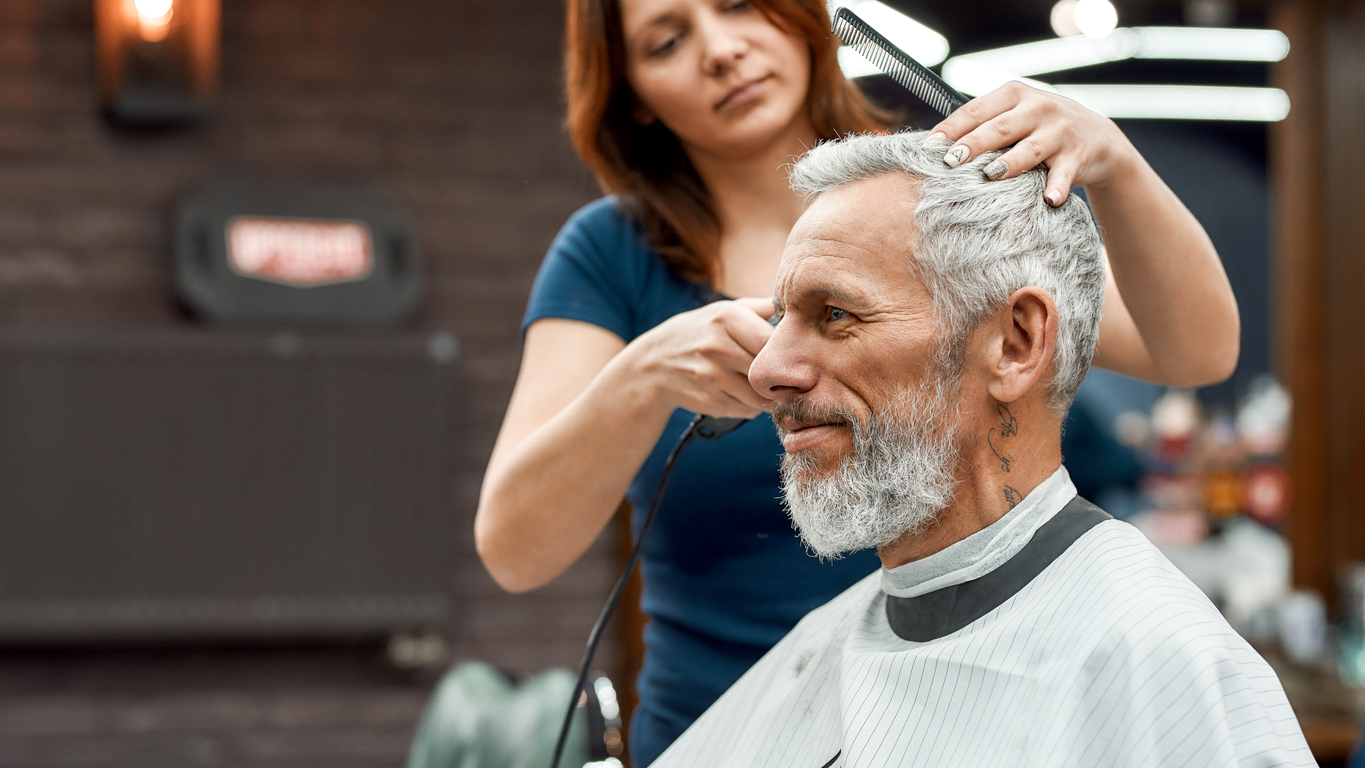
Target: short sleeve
<point>592,272</point>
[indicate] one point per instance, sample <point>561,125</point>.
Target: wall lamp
<point>157,60</point>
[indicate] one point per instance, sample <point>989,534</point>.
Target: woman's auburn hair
<point>644,165</point>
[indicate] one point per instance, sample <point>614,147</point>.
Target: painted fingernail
<point>995,170</point>
<point>956,156</point>
<point>935,137</point>
<point>1054,196</point>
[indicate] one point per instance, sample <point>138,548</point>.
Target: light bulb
<point>153,11</point>
<point>154,18</point>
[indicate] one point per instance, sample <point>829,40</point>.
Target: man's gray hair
<point>981,240</point>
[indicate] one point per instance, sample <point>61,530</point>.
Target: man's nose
<point>784,367</point>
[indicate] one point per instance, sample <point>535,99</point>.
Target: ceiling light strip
<point>1181,102</point>
<point>1065,53</point>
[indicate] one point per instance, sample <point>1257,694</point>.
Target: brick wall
<point>453,106</point>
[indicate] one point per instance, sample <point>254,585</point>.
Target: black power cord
<point>704,427</point>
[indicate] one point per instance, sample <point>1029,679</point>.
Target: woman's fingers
<point>1061,167</point>
<point>699,360</point>
<point>997,133</point>
<point>739,388</point>
<point>729,395</point>
<point>1028,153</point>
<point>742,321</point>
<point>761,305</point>
<point>1034,123</point>
<point>1038,128</point>
<point>978,111</point>
<point>1060,174</point>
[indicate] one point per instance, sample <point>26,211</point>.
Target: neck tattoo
<point>996,438</point>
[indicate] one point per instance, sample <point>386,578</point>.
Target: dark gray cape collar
<point>942,612</point>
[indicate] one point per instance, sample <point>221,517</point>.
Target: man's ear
<point>1019,355</point>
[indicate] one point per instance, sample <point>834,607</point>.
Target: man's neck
<point>1015,450</point>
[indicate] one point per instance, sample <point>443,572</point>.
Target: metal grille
<point>158,483</point>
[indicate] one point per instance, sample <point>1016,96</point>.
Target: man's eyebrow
<point>836,292</point>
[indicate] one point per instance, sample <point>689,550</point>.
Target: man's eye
<point>836,314</point>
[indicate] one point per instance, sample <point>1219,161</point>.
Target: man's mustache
<point>800,412</point>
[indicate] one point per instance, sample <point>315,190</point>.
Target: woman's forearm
<point>545,500</point>
<point>585,414</point>
<point>1177,321</point>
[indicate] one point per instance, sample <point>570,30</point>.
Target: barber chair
<point>480,718</point>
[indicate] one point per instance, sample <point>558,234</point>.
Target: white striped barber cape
<point>1055,637</point>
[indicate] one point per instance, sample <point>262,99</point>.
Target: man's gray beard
<point>897,480</point>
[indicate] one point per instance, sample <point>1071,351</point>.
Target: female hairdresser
<point>688,111</point>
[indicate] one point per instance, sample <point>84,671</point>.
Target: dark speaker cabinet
<point>164,483</point>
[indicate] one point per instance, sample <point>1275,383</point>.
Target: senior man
<point>934,328</point>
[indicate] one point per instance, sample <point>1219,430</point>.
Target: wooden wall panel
<point>453,106</point>
<point>1318,164</point>
<point>1296,149</point>
<point>1345,249</point>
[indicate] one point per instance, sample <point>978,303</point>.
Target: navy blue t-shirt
<point>725,576</point>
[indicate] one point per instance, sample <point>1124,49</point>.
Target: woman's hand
<point>699,360</point>
<point>1169,313</point>
<point>1080,147</point>
<point>585,414</point>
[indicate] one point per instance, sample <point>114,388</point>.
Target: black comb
<point>929,87</point>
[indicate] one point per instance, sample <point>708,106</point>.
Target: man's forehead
<point>879,205</point>
<point>861,231</point>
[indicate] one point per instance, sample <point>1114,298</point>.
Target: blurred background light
<point>922,43</point>
<point>982,72</point>
<point>1181,102</point>
<point>1095,18</point>
<point>854,64</point>
<point>1055,55</point>
<point>154,10</point>
<point>1170,102</point>
<point>1211,44</point>
<point>1209,13</point>
<point>973,76</point>
<point>1131,43</point>
<point>154,18</point>
<point>1063,18</point>
<point>157,61</point>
